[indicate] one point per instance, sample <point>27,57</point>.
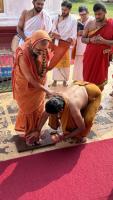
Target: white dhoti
<point>78,63</point>
<point>41,21</point>
<point>78,68</point>
<point>67,28</point>
<point>61,74</point>
<point>62,71</point>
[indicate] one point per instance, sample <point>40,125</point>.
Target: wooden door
<point>1,6</point>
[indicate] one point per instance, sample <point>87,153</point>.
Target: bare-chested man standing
<point>98,35</point>
<point>33,20</point>
<point>72,113</point>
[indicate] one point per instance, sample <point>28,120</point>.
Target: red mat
<point>80,173</point>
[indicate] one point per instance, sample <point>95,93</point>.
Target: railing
<point>6,64</point>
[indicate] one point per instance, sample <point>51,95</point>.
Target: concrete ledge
<point>8,21</point>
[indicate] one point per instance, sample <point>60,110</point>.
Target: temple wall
<point>13,9</point>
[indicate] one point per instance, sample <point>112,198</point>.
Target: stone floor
<point>101,130</point>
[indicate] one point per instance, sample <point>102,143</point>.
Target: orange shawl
<point>29,99</point>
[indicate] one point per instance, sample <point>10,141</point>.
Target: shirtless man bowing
<point>72,113</point>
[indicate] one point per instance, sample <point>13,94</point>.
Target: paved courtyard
<point>101,130</point>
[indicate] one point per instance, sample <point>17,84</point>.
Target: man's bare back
<point>77,95</point>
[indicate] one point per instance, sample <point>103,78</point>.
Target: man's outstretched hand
<point>32,138</point>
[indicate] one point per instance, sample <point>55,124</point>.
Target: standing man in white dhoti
<point>80,47</point>
<point>65,28</point>
<point>33,20</point>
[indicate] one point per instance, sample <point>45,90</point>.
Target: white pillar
<point>53,6</point>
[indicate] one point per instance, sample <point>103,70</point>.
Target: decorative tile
<point>102,120</point>
<point>2,112</point>
<point>12,109</point>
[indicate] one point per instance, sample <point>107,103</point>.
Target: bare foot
<point>111,94</point>
<point>57,138</point>
<point>54,84</point>
<point>100,108</point>
<point>32,138</point>
<point>65,84</point>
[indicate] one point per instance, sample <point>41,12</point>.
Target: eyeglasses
<point>84,14</point>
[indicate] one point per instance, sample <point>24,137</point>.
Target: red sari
<point>96,57</point>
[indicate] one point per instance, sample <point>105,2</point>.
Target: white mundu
<point>78,63</point>
<point>40,21</point>
<point>67,28</point>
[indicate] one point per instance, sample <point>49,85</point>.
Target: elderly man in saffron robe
<point>29,77</point>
